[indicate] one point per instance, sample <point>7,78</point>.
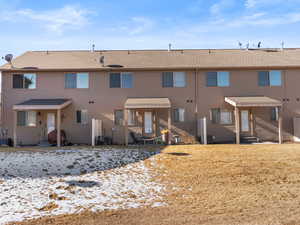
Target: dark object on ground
<point>10,142</point>
<point>52,137</point>
<point>136,140</point>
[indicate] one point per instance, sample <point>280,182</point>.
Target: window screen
<point>179,115</point>
<point>70,80</point>
<point>82,116</point>
<point>115,80</point>
<point>167,79</point>
<point>263,78</point>
<point>26,118</point>
<point>211,79</point>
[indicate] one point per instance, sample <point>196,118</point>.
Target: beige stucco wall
<point>148,84</point>
<point>51,85</point>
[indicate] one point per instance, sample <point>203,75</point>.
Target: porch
<point>149,109</point>
<point>55,106</point>
<point>243,112</point>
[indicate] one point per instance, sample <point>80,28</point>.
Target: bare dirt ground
<point>215,184</point>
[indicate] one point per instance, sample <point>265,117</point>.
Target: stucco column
<point>279,125</point>
<point>58,128</point>
<point>169,126</point>
<point>126,127</point>
<point>237,125</point>
<point>251,122</point>
<point>157,132</point>
<point>15,128</point>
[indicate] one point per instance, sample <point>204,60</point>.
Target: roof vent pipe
<point>170,47</point>
<point>282,45</point>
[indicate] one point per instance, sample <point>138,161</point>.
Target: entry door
<point>245,121</point>
<point>50,122</point>
<point>148,123</point>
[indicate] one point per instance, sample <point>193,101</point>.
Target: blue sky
<point>143,24</point>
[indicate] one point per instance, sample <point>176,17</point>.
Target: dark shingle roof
<point>44,102</point>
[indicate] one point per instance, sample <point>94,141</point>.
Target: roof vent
<point>30,68</point>
<point>102,60</point>
<point>115,66</point>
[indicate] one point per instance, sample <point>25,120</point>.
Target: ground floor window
<point>131,117</point>
<point>26,118</point>
<point>82,116</point>
<point>221,116</point>
<point>274,114</point>
<point>179,115</point>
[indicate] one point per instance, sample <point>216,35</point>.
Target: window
<point>217,79</point>
<point>221,116</point>
<point>77,80</point>
<point>131,117</point>
<point>269,78</point>
<point>179,115</point>
<point>82,116</point>
<point>24,81</point>
<point>173,79</point>
<point>121,80</point>
<point>119,116</point>
<point>26,118</point>
<point>274,114</point>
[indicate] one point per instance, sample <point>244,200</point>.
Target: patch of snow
<point>78,180</point>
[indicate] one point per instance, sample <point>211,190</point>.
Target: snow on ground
<point>35,184</point>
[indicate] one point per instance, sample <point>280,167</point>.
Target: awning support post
<point>169,126</point>
<point>279,125</point>
<point>15,128</point>
<point>126,127</point>
<point>237,125</point>
<point>58,128</point>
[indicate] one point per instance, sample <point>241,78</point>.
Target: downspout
<point>196,102</point>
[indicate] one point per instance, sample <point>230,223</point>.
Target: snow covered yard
<point>36,184</point>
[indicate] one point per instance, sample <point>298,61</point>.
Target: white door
<point>148,123</point>
<point>50,122</point>
<point>244,120</point>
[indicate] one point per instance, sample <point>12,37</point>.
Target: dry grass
<point>215,184</point>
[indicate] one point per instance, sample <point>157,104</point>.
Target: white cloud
<point>218,7</point>
<point>58,20</point>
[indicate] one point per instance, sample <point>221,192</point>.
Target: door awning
<point>253,101</point>
<point>43,104</point>
<point>147,103</point>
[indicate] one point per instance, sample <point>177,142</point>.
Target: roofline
<point>148,68</point>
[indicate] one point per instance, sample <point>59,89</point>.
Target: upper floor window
<point>179,115</point>
<point>76,80</point>
<point>26,118</point>
<point>217,79</point>
<point>24,81</point>
<point>82,116</point>
<point>221,116</point>
<point>173,79</point>
<point>269,78</point>
<point>120,80</point>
